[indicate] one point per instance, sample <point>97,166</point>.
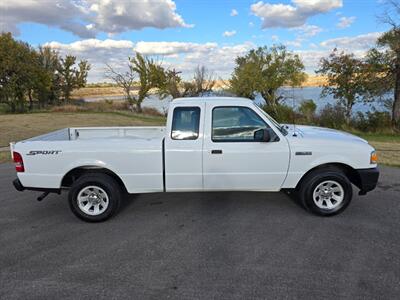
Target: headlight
<point>374,158</point>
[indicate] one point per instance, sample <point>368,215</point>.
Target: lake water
<point>299,95</point>
<point>314,93</point>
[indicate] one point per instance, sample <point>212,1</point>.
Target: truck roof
<point>227,100</point>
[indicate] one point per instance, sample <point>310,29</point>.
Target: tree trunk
<point>30,100</point>
<point>348,116</point>
<point>396,102</point>
<point>67,96</point>
<point>139,107</point>
<point>349,107</point>
<point>13,108</point>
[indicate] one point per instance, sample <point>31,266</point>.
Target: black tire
<point>105,185</point>
<point>328,176</point>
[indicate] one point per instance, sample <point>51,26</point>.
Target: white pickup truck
<point>208,144</point>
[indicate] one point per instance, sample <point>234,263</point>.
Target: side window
<point>185,123</point>
<point>235,124</point>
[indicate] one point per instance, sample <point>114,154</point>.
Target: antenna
<point>294,113</point>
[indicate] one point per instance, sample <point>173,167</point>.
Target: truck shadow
<point>210,201</point>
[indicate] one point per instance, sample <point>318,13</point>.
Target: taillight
<point>19,163</point>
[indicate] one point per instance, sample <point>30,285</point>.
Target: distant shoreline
<point>314,81</point>
<point>105,89</point>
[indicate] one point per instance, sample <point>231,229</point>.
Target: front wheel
<point>326,192</point>
<point>94,197</point>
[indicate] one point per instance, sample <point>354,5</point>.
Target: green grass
<point>378,137</point>
<point>387,145</point>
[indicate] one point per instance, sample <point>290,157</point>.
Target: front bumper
<point>368,179</point>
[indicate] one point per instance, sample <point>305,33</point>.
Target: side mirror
<point>262,135</point>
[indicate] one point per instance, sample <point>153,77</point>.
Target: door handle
<point>216,151</point>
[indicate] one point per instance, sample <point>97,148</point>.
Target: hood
<point>314,132</point>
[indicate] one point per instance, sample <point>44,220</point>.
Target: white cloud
<point>361,42</point>
<point>61,14</point>
<point>345,22</point>
<point>92,44</point>
<point>120,15</point>
<point>296,43</point>
<point>98,53</point>
<point>291,15</point>
<point>86,18</point>
<point>275,38</point>
<point>183,56</point>
<point>308,30</point>
<point>229,33</point>
<point>304,32</point>
<point>358,45</point>
<point>234,12</point>
<point>311,58</point>
<point>172,48</point>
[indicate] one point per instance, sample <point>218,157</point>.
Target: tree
<point>383,63</point>
<point>307,108</point>
<point>172,84</point>
<point>125,80</point>
<point>71,77</point>
<point>47,89</point>
<point>18,67</point>
<point>264,70</point>
<point>203,82</point>
<point>29,75</point>
<point>344,74</point>
<point>150,74</point>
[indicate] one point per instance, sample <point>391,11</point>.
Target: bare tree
<point>203,81</point>
<point>125,80</point>
<point>171,83</point>
<point>391,16</point>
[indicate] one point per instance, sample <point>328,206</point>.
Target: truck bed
<point>88,133</point>
<point>134,153</point>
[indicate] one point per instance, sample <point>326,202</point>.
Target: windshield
<point>275,123</point>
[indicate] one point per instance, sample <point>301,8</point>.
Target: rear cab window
<point>185,123</point>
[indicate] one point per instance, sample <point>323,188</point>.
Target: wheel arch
<point>349,172</point>
<point>71,176</point>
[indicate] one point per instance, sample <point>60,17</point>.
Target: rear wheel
<point>94,197</point>
<point>326,192</point>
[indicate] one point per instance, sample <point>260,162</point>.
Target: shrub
<point>68,108</point>
<point>372,121</point>
<point>100,106</point>
<point>151,111</point>
<point>4,108</point>
<point>307,109</point>
<point>333,116</point>
<point>282,113</point>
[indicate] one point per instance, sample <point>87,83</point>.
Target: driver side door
<point>233,159</point>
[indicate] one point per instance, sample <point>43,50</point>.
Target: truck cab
<point>223,145</point>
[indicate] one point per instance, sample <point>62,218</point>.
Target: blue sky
<point>185,33</point>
